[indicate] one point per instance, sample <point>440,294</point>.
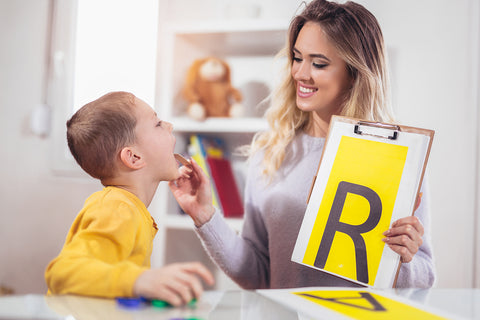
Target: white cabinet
<point>249,47</point>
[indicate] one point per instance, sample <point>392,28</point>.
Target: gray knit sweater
<point>260,257</point>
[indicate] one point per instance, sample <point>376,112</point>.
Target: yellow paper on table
<point>366,305</point>
<point>350,303</point>
<point>366,181</point>
<point>354,303</point>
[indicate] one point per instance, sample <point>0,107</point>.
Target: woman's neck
<point>318,125</point>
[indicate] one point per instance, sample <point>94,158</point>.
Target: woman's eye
<point>319,65</point>
<point>297,59</point>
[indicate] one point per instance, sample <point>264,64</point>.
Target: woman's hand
<point>193,193</point>
<point>405,235</point>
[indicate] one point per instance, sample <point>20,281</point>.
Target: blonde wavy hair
<point>357,36</point>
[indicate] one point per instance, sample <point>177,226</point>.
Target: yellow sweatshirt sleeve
<point>104,253</point>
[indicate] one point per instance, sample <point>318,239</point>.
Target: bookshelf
<point>249,47</point>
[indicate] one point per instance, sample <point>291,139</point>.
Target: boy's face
<point>155,142</point>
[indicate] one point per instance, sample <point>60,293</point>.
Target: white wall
<point>432,44</point>
<point>37,208</point>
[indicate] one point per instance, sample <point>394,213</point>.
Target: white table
<point>229,305</point>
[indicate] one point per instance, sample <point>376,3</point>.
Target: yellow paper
<point>365,305</point>
<point>356,209</point>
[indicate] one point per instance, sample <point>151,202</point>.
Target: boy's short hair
<point>99,130</point>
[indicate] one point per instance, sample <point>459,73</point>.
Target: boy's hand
<point>176,283</point>
<point>194,195</point>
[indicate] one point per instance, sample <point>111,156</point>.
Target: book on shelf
<point>209,153</point>
<point>198,153</point>
<point>226,187</point>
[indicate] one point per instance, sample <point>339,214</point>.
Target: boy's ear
<point>131,158</point>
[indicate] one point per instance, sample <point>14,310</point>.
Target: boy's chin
<point>170,176</point>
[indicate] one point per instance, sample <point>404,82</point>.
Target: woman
<point>336,66</point>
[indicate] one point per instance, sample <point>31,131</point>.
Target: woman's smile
<point>304,91</point>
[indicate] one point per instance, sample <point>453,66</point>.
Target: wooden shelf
<point>233,38</point>
<point>249,46</point>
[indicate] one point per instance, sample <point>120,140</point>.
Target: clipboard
<point>369,176</point>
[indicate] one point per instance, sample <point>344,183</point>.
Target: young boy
<point>119,140</point>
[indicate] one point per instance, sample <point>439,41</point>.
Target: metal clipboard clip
<point>380,125</point>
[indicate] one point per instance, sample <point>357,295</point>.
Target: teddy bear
<point>209,92</point>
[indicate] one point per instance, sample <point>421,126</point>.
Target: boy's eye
<point>159,123</point>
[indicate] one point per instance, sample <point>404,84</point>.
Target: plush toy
<point>209,92</point>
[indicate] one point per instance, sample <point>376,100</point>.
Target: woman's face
<point>320,75</point>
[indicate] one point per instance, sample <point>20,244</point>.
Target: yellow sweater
<point>108,246</point>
